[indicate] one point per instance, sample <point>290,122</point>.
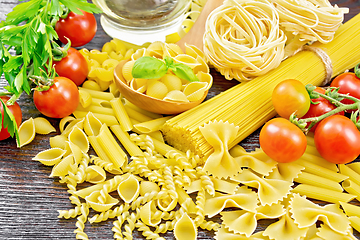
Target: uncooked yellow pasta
<point>121,114</point>
<point>98,94</point>
<point>152,125</point>
<point>129,189</point>
<point>43,126</point>
<point>137,115</point>
<point>100,57</point>
<point>112,149</point>
<point>104,118</point>
<point>353,176</point>
<point>243,40</point>
<point>315,180</point>
<point>322,194</point>
<point>85,98</point>
<point>62,168</point>
<point>351,187</point>
<point>26,132</point>
<point>50,156</point>
<point>185,228</point>
<point>124,138</point>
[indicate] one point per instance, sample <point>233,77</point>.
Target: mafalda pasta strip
<point>243,40</point>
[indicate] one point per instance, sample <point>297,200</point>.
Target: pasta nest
<point>310,20</point>
<point>243,40</point>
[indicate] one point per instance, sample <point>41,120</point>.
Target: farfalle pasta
<point>243,199</point>
<point>256,160</point>
<point>220,163</point>
<point>305,213</point>
<point>269,190</point>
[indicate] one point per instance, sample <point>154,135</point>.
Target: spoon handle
<point>196,33</point>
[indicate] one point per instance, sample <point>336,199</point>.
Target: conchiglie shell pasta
<point>139,53</point>
<point>185,228</point>
<point>171,81</point>
<point>139,84</point>
<point>26,132</point>
<point>75,150</point>
<point>95,174</point>
<point>187,60</point>
<point>62,168</point>
<point>176,96</point>
<point>79,123</point>
<point>92,200</point>
<point>148,187</point>
<point>194,51</point>
<point>156,89</point>
<point>92,125</point>
<point>79,138</point>
<point>127,69</point>
<point>64,121</point>
<point>205,77</point>
<point>172,50</point>
<point>129,189</point>
<point>203,66</point>
<point>195,91</point>
<point>58,141</point>
<point>156,49</point>
<point>148,216</point>
<point>50,156</point>
<point>43,126</point>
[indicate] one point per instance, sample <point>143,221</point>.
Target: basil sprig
<point>151,68</point>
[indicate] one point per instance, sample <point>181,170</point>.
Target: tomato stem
<point>332,95</point>
<point>357,70</point>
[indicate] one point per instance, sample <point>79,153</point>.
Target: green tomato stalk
<point>333,96</point>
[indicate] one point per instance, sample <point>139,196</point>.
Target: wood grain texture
<point>29,198</point>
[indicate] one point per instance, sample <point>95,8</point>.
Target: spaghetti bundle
<point>246,39</point>
<point>243,39</point>
<point>248,105</point>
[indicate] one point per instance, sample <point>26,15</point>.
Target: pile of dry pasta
<point>248,38</point>
<point>143,184</point>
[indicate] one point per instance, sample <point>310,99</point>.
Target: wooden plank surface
<point>29,198</point>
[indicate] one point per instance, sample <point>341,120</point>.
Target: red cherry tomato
<point>80,29</point>
<point>282,141</point>
<point>337,139</point>
<point>323,106</point>
<point>347,83</point>
<point>73,66</point>
<point>16,111</point>
<point>60,100</point>
<point>290,96</point>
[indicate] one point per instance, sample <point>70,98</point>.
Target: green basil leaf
<point>184,72</point>
<point>149,68</point>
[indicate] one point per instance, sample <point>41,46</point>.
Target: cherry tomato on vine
<point>60,100</point>
<point>73,66</point>
<point>321,107</point>
<point>80,29</point>
<point>347,83</point>
<point>337,139</point>
<point>16,111</point>
<point>282,141</point>
<point>290,96</point>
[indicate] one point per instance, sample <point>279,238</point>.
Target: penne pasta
<point>138,116</point>
<point>352,188</point>
<point>104,118</point>
<point>315,180</point>
<point>110,146</point>
<point>152,125</point>
<point>321,171</point>
<point>124,138</point>
<point>353,176</point>
<point>97,109</point>
<point>323,194</point>
<point>121,114</point>
<point>98,94</point>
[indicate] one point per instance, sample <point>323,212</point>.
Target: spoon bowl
<point>149,103</point>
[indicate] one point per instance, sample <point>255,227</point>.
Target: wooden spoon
<point>196,33</point>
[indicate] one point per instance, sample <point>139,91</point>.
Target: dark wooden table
<point>29,198</point>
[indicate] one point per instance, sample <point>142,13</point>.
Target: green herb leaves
<point>27,33</point>
<point>151,68</point>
